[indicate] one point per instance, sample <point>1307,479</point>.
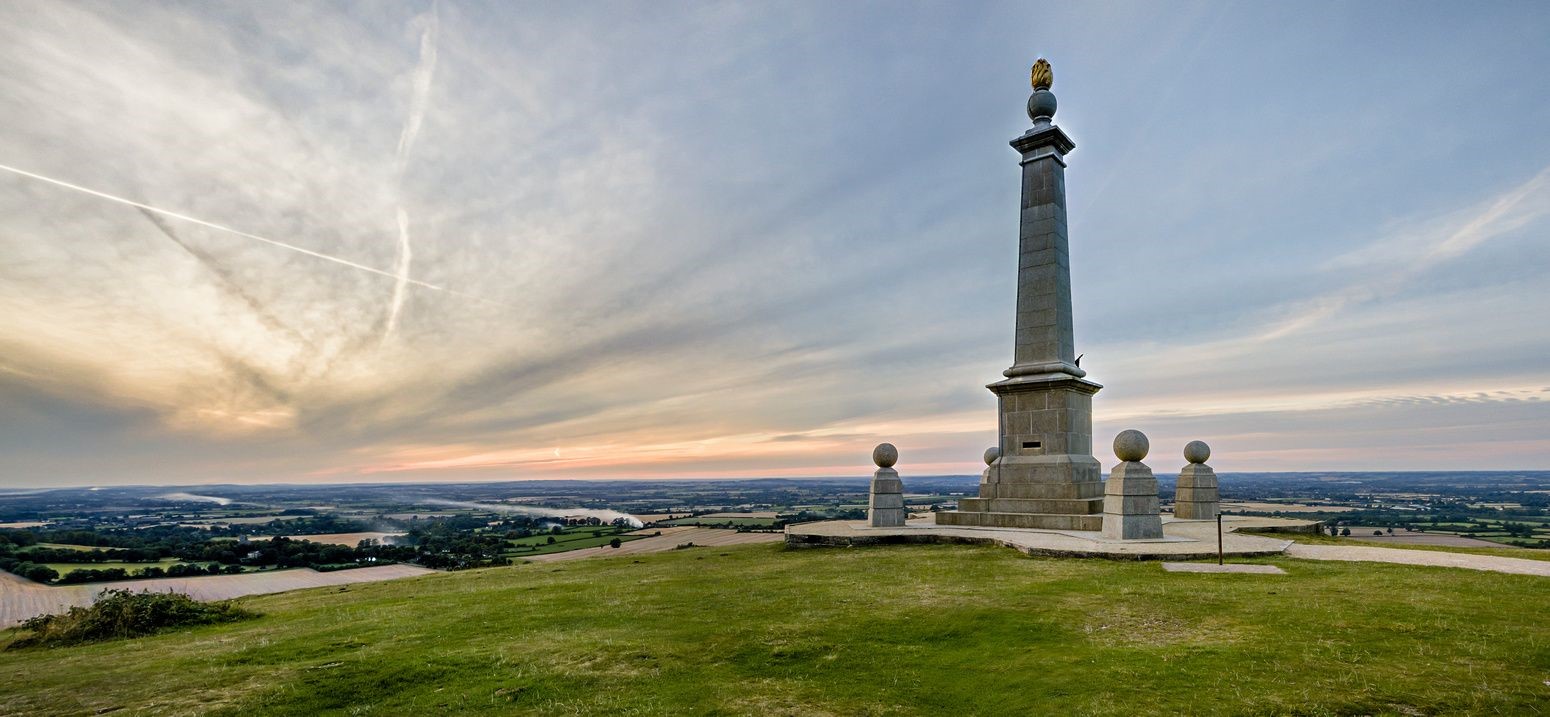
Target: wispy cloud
<point>1390,263</point>
<point>1394,262</point>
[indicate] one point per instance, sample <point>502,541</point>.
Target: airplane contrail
<point>396,304</point>
<point>228,281</point>
<point>240,233</point>
<point>420,86</point>
<point>419,97</point>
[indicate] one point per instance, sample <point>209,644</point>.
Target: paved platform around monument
<point>1182,539</point>
<point>1253,568</point>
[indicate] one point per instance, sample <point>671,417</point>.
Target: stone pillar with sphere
<point>1197,496</point>
<point>885,499</point>
<point>988,476</point>
<point>1130,507</point>
<point>1045,476</point>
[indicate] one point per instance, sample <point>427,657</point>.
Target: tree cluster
<point>177,570</point>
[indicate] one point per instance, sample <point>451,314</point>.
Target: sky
<point>450,240</point>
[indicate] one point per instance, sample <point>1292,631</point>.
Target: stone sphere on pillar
<point>991,454</point>
<point>1041,105</point>
<point>1131,445</point>
<point>885,455</point>
<point>1197,452</point>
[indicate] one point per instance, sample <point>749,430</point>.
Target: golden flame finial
<point>1043,76</point>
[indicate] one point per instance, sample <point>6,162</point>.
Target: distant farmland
<point>736,520</point>
<point>670,539</point>
<point>574,538</point>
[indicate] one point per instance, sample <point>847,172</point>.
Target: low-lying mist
<point>607,516</point>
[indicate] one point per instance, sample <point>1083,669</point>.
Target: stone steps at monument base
<point>1059,488</point>
<point>1062,506</point>
<point>1042,521</point>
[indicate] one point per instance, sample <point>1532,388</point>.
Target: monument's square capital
<point>1048,136</point>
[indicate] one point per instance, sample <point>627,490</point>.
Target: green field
<point>63,568</point>
<point>64,546</point>
<point>904,630</point>
<point>66,568</point>
<point>574,538</point>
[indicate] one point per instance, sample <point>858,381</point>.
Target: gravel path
<point>1517,566</point>
<point>21,598</point>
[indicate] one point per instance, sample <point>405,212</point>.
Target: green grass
<point>888,630</point>
<point>1355,541</point>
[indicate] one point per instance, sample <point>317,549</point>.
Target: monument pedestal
<point>1197,495</point>
<point>1130,508</point>
<point>1130,496</point>
<point>1044,475</point>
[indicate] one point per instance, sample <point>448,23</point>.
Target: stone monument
<point>1045,475</point>
<point>885,502</point>
<point>1197,496</point>
<point>1130,510</point>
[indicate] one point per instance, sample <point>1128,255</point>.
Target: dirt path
<point>21,598</point>
<point>1517,566</point>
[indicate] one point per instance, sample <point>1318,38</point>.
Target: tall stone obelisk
<point>1046,476</point>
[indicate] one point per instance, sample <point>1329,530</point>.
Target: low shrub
<point>119,614</point>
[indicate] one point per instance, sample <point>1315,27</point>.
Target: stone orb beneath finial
<point>1131,445</point>
<point>991,454</point>
<point>885,455</point>
<point>1197,452</point>
<point>1041,105</point>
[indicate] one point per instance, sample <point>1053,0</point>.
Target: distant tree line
<point>20,554</point>
<point>176,570</point>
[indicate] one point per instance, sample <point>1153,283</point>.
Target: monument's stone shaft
<point>1045,475</point>
<point>1044,337</point>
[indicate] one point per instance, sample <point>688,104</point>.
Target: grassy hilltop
<point>894,630</point>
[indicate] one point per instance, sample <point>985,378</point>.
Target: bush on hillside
<point>120,613</point>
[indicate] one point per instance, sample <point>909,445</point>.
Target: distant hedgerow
<point>120,613</point>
